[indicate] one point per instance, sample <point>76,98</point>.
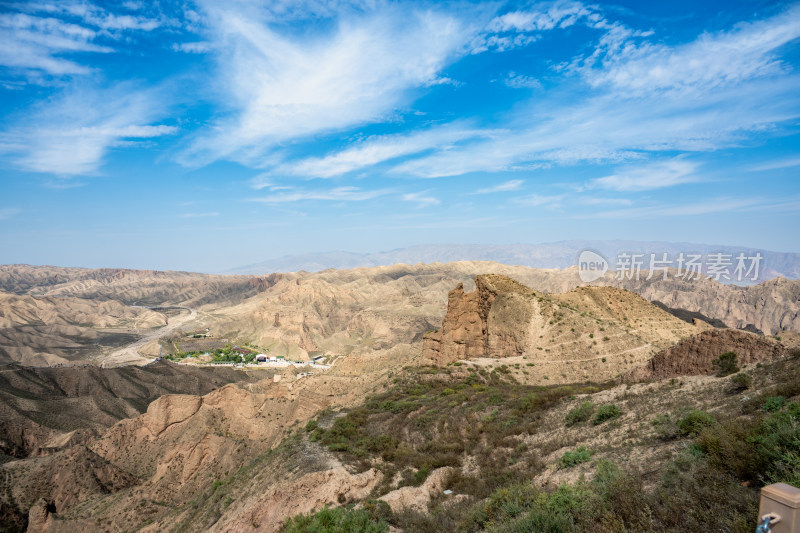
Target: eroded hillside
<point>588,333</point>
<point>384,426</point>
<point>329,312</point>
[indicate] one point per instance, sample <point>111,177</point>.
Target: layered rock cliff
<point>483,323</point>
<point>696,355</point>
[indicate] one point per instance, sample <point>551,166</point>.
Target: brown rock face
<point>696,354</point>
<point>40,517</point>
<point>476,323</point>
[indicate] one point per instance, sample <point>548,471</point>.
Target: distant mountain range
<point>548,255</point>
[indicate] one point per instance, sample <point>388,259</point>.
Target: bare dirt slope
<point>45,409</point>
<point>50,330</point>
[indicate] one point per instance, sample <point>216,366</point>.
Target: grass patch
<point>575,457</point>
<point>694,422</point>
<point>580,414</point>
<point>336,520</point>
<point>605,413</point>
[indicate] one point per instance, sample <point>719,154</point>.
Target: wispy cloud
<point>338,194</point>
<point>378,149</point>
<point>43,38</point>
<point>196,47</point>
<point>279,86</point>
<point>35,44</point>
<point>618,121</point>
<point>511,185</point>
<point>71,134</point>
<point>422,199</point>
<point>98,17</point>
<point>713,60</point>
<point>536,200</point>
<point>521,28</point>
<point>521,81</point>
<point>777,164</point>
<point>648,177</point>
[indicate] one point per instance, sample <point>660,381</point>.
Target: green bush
<point>337,520</point>
<point>726,364</point>
<point>605,413</point>
<point>576,457</point>
<point>694,422</point>
<point>773,403</point>
<point>740,382</point>
<point>580,414</point>
<point>666,426</point>
<point>421,475</point>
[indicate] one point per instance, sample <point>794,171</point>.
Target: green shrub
<point>337,520</point>
<point>580,414</point>
<point>694,422</point>
<point>605,413</point>
<point>740,382</point>
<point>773,403</point>
<point>666,426</point>
<point>421,475</point>
<point>726,364</point>
<point>576,457</point>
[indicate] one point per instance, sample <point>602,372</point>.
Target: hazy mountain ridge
<point>548,255</point>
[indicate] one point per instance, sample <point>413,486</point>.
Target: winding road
<point>129,355</point>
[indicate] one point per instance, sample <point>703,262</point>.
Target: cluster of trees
<point>228,354</point>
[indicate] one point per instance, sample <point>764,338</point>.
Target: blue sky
<point>211,134</point>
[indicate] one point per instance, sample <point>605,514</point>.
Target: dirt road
<point>129,355</point>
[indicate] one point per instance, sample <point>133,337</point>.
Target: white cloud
<point>96,16</point>
<point>38,35</point>
<point>511,185</point>
<point>199,47</point>
<point>378,149</point>
<point>561,14</point>
<point>652,176</point>
<point>443,81</point>
<point>339,194</point>
<point>640,102</point>
<point>521,28</point>
<point>612,128</point>
<point>777,164</point>
<point>71,134</point>
<point>536,200</point>
<point>521,81</point>
<point>712,60</point>
<point>280,87</point>
<point>422,199</point>
<point>34,43</point>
